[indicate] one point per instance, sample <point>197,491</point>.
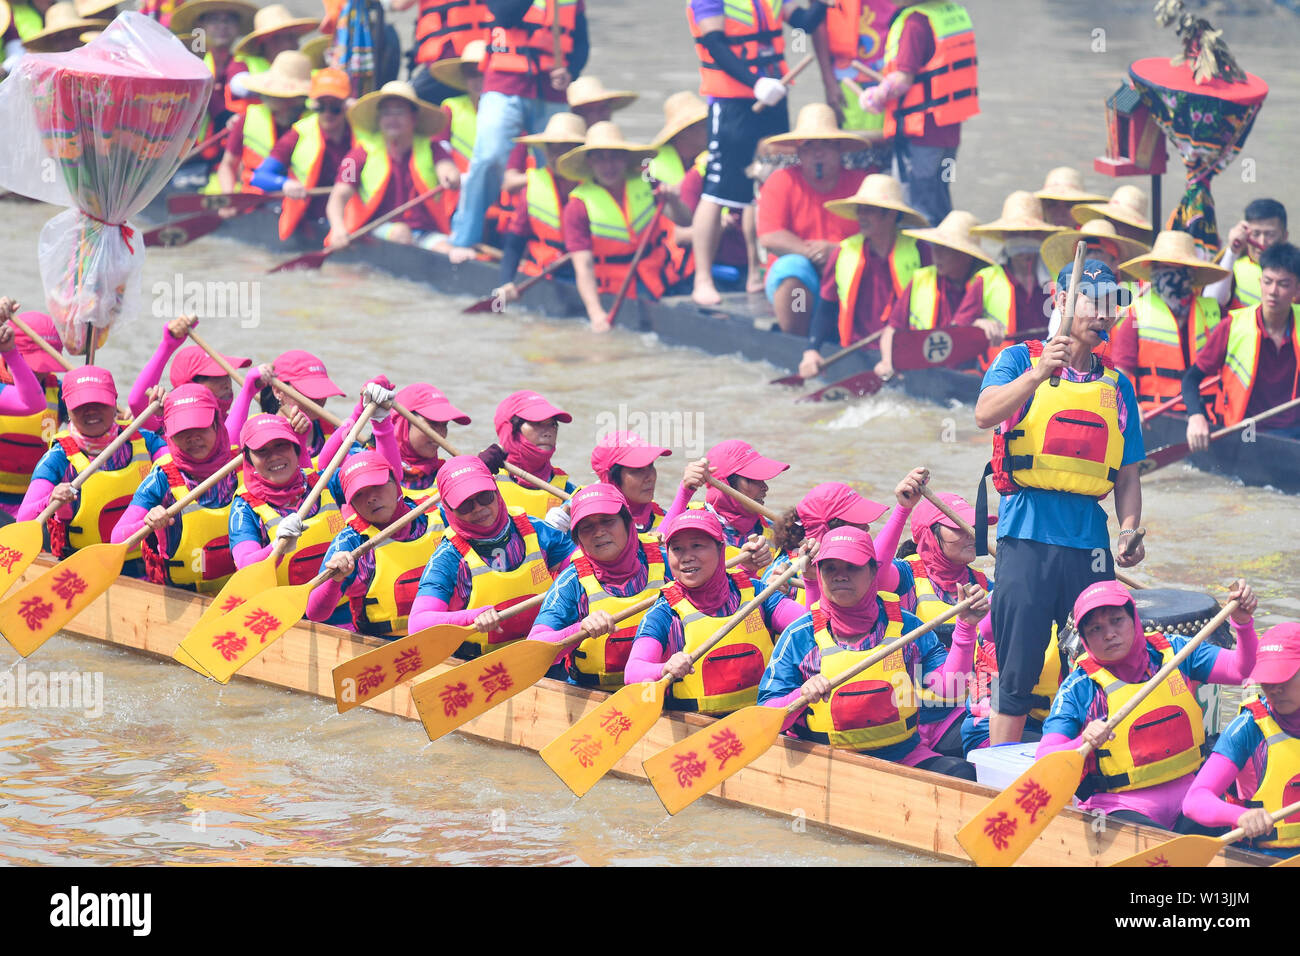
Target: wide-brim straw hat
<point>314,50</point>
<point>271,20</point>
<point>1175,248</point>
<point>89,8</point>
<point>816,121</point>
<point>289,76</point>
<point>882,192</point>
<point>62,31</point>
<point>187,15</point>
<point>1127,205</point>
<point>681,111</point>
<point>429,120</point>
<point>586,90</point>
<point>448,72</point>
<point>6,18</point>
<point>954,233</point>
<point>1058,249</point>
<point>561,130</point>
<point>1022,215</point>
<point>1065,184</point>
<point>603,135</point>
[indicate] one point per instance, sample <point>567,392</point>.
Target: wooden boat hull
<point>845,791</point>
<point>1267,460</point>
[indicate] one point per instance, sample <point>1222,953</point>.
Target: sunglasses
<point>480,500</point>
<point>332,108</point>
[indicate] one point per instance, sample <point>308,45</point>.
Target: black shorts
<point>734,132</point>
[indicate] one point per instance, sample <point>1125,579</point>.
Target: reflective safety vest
<point>204,541</point>
<point>1070,439</point>
<point>103,498</point>
<point>232,104</point>
<point>456,21</point>
<point>999,302</point>
<point>255,63</point>
<point>1242,360</point>
<point>1280,786</point>
<point>616,233</point>
<point>305,166</point>
<point>1160,349</point>
<point>373,181</point>
<point>25,438</point>
<point>946,86</point>
<point>666,167</point>
<point>753,32</point>
<point>727,677</point>
<point>259,139</point>
<point>303,564</point>
<point>534,502</point>
<point>529,47</point>
<point>1049,678</point>
<point>545,211</point>
<point>27,19</point>
<point>599,661</point>
<point>386,606</point>
<point>502,589</point>
<point>463,129</point>
<point>876,709</point>
<point>1247,278</point>
<point>1161,740</point>
<point>850,265</point>
<point>924,302</point>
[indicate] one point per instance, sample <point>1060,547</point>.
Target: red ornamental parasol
<point>1208,123</point>
<point>100,129</point>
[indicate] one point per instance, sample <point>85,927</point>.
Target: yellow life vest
<point>928,603</point>
<point>255,64</point>
<point>1161,740</point>
<point>876,709</point>
<point>600,661</point>
<point>205,536</point>
<point>667,167</point>
<point>27,19</point>
<point>319,530</point>
<point>386,606</point>
<point>727,677</point>
<point>24,440</point>
<point>104,496</point>
<point>502,589</point>
<point>904,261</point>
<point>1247,278</point>
<point>1049,678</point>
<point>534,502</point>
<point>1280,786</point>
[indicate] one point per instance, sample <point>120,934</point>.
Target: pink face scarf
<point>627,565</point>
<point>411,460</point>
<point>1133,669</point>
<point>851,621</point>
<point>469,469</point>
<point>522,453</point>
<point>93,446</point>
<point>733,513</point>
<point>947,574</point>
<point>710,596</point>
<point>277,496</point>
<point>201,469</point>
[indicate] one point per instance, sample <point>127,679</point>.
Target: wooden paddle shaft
<point>636,259</point>
<point>195,493</point>
<point>798,566</point>
<point>745,500</point>
<point>1133,541</point>
<point>210,141</point>
<point>43,345</point>
<point>522,286</point>
<point>1067,318</point>
<point>1232,836</point>
<point>410,203</point>
<point>1246,422</point>
<point>371,543</point>
<point>860,343</point>
<point>788,79</point>
<point>867,71</point>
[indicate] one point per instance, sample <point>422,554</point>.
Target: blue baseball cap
<point>1097,282</point>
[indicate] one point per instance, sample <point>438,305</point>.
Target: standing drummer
<point>1057,450</point>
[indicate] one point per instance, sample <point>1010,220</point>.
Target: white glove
<point>237,87</point>
<point>558,518</point>
<point>381,396</point>
<point>290,527</point>
<point>768,91</point>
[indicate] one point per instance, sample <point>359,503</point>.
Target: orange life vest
<point>373,183</point>
<point>529,47</point>
<point>545,218</point>
<point>1241,363</point>
<point>260,136</point>
<point>753,31</point>
<point>616,232</point>
<point>946,85</point>
<point>1160,350</point>
<point>305,166</point>
<point>449,21</point>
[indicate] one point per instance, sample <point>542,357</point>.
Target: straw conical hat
<point>63,29</point>
<point>681,111</point>
<point>1175,248</point>
<point>187,15</point>
<point>603,135</point>
<point>1065,184</point>
<point>1022,214</point>
<point>1058,249</point>
<point>5,18</point>
<point>448,73</point>
<point>561,129</point>
<point>90,8</point>
<point>816,121</point>
<point>270,20</point>
<point>586,90</point>
<point>288,76</point>
<point>954,233</point>
<point>314,50</point>
<point>429,120</point>
<point>1127,205</point>
<point>883,192</point>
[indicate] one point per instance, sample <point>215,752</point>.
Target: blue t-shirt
<point>155,491</point>
<point>245,525</point>
<point>1060,517</point>
<point>566,602</point>
<point>1240,740</point>
<point>444,576</point>
<point>663,625</point>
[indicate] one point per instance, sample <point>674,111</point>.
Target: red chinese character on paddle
<point>9,557</point>
<point>1000,829</point>
<point>261,623</point>
<point>585,748</point>
<point>230,603</point>
<point>407,662</point>
<point>1032,798</point>
<point>495,680</point>
<point>34,611</point>
<point>616,723</point>
<point>67,585</point>
<point>229,644</point>
<point>1158,861</point>
<point>369,679</point>
<point>726,745</point>
<point>688,767</point>
<point>455,698</point>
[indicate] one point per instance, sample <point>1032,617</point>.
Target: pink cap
<point>1100,594</point>
<point>847,544</point>
<point>462,477</point>
<point>597,499</point>
<point>431,403</point>
<point>192,361</point>
<point>736,457</point>
<point>189,406</point>
<point>834,499</point>
<point>363,470</point>
<point>43,326</point>
<point>88,385</point>
<point>696,519</point>
<point>623,448</point>
<point>926,514</point>
<point>1278,656</point>
<point>306,373</point>
<point>260,430</point>
<point>529,406</point>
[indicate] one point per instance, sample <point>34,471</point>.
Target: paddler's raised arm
<point>998,402</point>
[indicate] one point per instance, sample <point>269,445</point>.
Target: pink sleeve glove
<point>242,404</point>
<point>680,503</point>
<point>951,678</point>
<point>35,500</point>
<point>1234,666</point>
<point>886,544</point>
<point>132,520</point>
<point>431,611</point>
<point>25,396</point>
<point>645,662</point>
<point>324,599</point>
<point>250,552</point>
<point>1204,802</point>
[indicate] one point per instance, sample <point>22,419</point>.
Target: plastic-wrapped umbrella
<point>1208,123</point>
<point>100,129</point>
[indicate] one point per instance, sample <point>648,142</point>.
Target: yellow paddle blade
<point>184,656</point>
<point>227,643</point>
<point>1003,830</point>
<point>368,675</point>
<point>37,611</point>
<point>1183,851</point>
<point>692,767</point>
<point>1289,861</point>
<point>462,693</point>
<point>244,584</point>
<point>589,749</point>
<point>19,545</point>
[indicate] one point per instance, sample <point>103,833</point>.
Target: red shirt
<point>1275,374</point>
<point>528,85</point>
<point>217,101</point>
<point>915,48</point>
<point>521,225</point>
<point>235,141</point>
<point>1033,305</point>
<point>401,186</point>
<point>788,202</point>
<point>875,292</point>
<point>576,224</point>
<point>950,297</point>
<point>329,164</point>
<point>518,160</point>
